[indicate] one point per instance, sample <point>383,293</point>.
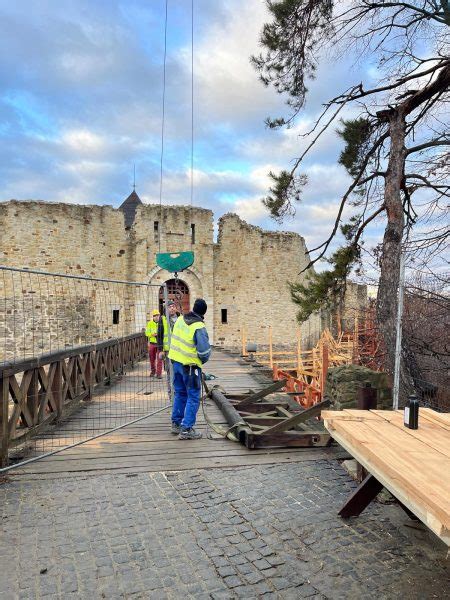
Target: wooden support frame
<point>301,417</point>
<point>271,424</point>
<point>361,497</point>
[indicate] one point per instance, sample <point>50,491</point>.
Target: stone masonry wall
<point>40,313</point>
<point>343,383</point>
<point>252,268</point>
<point>64,238</point>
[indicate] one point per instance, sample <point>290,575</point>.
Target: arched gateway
<point>178,291</point>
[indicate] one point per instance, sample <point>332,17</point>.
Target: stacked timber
<point>412,464</point>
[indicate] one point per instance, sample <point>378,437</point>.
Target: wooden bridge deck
<point>148,446</point>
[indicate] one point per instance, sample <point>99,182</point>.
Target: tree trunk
<point>392,241</point>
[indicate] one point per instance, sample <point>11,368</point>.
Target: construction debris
<point>259,422</point>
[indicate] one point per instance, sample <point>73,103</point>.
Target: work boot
<point>152,374</point>
<point>189,434</point>
<point>176,429</point>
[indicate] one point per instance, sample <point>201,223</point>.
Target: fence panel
<point>74,360</point>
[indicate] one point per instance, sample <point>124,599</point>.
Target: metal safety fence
<point>74,361</point>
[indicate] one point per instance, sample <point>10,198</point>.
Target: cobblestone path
<point>253,532</point>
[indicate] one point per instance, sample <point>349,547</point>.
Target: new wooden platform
<point>148,446</point>
<point>414,465</point>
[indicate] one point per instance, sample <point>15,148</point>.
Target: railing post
<point>324,368</point>
<point>244,341</point>
<point>270,347</point>
<point>57,388</point>
<point>355,342</point>
<point>89,374</point>
<point>4,400</point>
<point>32,398</point>
<point>299,351</point>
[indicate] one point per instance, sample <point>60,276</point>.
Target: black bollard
<point>366,398</point>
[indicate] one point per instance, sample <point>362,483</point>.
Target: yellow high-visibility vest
<point>166,334</point>
<point>151,330</point>
<point>182,345</point>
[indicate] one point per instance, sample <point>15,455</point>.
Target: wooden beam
<point>291,439</point>
<point>299,418</point>
<point>261,394</point>
<point>361,497</point>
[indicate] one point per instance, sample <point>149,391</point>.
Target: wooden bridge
<point>148,446</point>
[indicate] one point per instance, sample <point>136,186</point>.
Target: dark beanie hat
<point>200,307</point>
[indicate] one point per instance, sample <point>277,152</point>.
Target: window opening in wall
<point>224,315</point>
<point>193,233</point>
<point>115,316</point>
<point>156,230</point>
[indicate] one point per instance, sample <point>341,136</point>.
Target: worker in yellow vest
<point>163,327</point>
<point>151,331</point>
<point>189,350</point>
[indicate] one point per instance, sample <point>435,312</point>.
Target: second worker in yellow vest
<point>189,350</point>
<point>151,332</point>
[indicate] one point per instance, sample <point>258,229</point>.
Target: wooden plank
<point>350,415</point>
<point>263,458</point>
<point>301,417</point>
<point>443,419</point>
<point>430,432</point>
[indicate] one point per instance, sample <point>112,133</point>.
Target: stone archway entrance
<point>178,291</point>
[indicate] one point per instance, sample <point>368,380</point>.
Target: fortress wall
<point>252,269</point>
<point>64,238</point>
<point>41,313</point>
<point>246,274</point>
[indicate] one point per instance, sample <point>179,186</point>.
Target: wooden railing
<point>305,370</point>
<point>35,392</point>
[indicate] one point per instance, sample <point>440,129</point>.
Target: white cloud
<point>84,141</point>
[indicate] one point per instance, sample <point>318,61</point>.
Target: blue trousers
<point>187,392</point>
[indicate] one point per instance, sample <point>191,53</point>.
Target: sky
<point>81,103</point>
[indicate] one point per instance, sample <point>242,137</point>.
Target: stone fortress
<point>243,276</point>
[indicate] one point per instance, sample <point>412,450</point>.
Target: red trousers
<point>155,362</point>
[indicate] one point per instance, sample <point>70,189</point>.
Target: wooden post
<point>89,374</point>
<point>355,341</point>
<point>270,347</point>
<point>244,341</point>
<point>4,399</point>
<point>57,384</point>
<point>339,324</point>
<point>299,351</point>
<point>323,376</point>
<point>32,398</point>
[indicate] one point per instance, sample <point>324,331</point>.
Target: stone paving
<point>253,532</point>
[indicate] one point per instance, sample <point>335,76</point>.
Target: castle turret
<point>129,207</point>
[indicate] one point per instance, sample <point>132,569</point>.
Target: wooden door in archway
<point>178,291</point>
